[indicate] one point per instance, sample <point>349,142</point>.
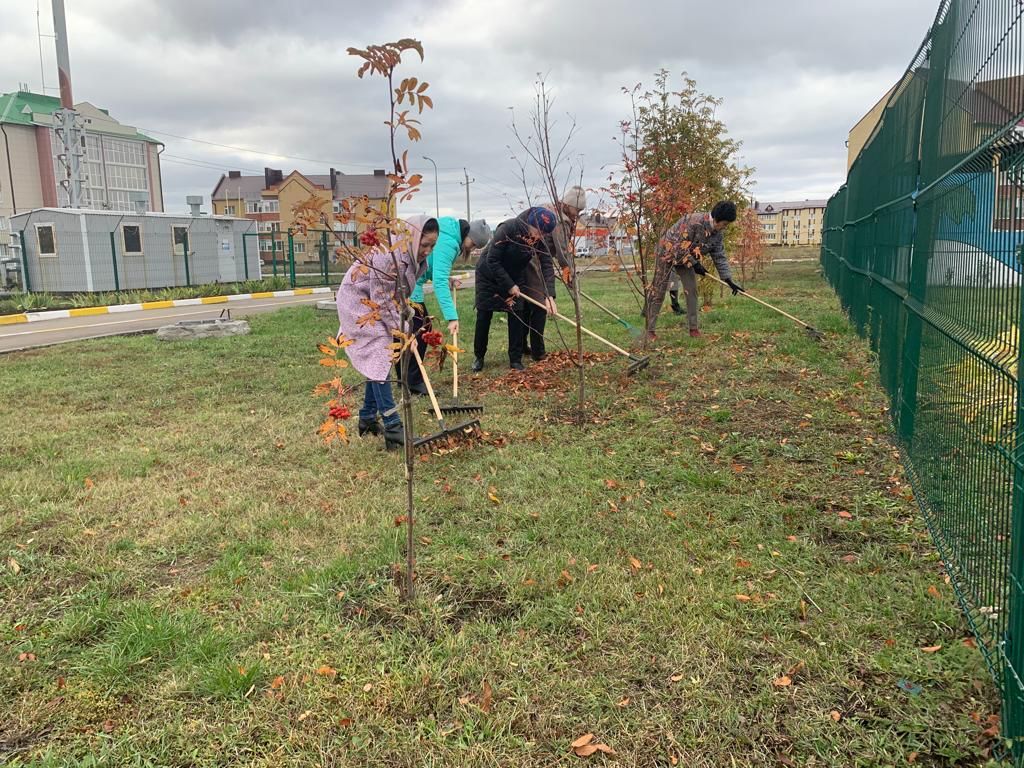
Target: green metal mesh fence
<point>923,245</point>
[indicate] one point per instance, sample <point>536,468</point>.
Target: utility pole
<point>437,199</point>
<point>466,184</point>
<point>67,123</point>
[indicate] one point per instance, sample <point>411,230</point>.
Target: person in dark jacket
<point>540,282</point>
<point>500,273</point>
<point>685,242</point>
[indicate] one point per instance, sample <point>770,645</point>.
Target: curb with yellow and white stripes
<point>114,309</point>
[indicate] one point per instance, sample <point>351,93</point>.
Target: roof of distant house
<point>348,185</point>
<point>23,107</point>
<point>789,206</point>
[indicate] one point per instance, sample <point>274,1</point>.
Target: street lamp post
<point>437,199</point>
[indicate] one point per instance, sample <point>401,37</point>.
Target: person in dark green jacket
<point>455,237</point>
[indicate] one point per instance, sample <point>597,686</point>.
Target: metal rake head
<point>638,364</point>
<point>450,410</point>
<point>448,437</point>
<point>814,333</point>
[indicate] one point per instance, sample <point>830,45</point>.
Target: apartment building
<point>791,223</point>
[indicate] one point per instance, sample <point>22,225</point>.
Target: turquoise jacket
<point>439,267</point>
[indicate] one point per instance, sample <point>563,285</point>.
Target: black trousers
<point>535,319</point>
<point>516,334</point>
<point>420,320</point>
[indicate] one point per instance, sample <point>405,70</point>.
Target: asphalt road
<point>48,332</point>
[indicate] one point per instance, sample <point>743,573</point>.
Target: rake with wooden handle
<point>447,435</point>
<point>635,363</point>
<point>633,330</point>
<point>456,407</point>
<point>813,332</point>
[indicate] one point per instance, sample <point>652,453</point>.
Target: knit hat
<point>541,218</point>
<point>575,197</point>
<point>479,232</point>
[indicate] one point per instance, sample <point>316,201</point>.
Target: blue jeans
<point>378,400</point>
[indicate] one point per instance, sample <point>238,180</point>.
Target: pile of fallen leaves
<point>543,376</point>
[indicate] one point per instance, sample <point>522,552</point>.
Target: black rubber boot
<point>372,427</point>
<point>478,365</point>
<point>394,437</point>
<point>674,297</point>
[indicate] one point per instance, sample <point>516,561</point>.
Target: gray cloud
<point>794,77</point>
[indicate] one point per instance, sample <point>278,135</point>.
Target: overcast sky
<point>274,77</point>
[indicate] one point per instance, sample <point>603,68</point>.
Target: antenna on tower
<point>39,37</point>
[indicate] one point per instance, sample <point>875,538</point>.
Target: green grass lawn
<point>722,567</point>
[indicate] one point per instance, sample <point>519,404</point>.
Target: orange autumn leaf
<point>89,484</point>
<point>834,714</point>
<point>623,702</point>
<point>635,564</point>
<point>931,649</point>
<point>326,350</point>
<point>582,740</point>
<point>585,750</point>
<point>782,682</point>
<point>277,682</point>
<point>845,515</point>
<point>744,598</point>
<point>934,592</point>
<point>327,671</point>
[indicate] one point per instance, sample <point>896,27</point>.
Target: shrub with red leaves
<point>433,338</point>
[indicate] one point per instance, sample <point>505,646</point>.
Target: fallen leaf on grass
<point>26,657</point>
<point>635,564</point>
<point>849,558</point>
<point>844,514</point>
<point>741,563</point>
<point>277,682</point>
<point>586,738</point>
<point>791,538</point>
<point>610,484</point>
<point>623,703</point>
<point>969,642</point>
<point>13,565</point>
<point>564,578</point>
<point>834,714</point>
<point>464,700</point>
<point>592,567</point>
<point>487,699</point>
<point>89,484</point>
<point>934,592</point>
<point>744,598</point>
<point>669,514</point>
<point>932,648</point>
<point>326,671</point>
<point>345,722</point>
<point>782,682</point>
<point>368,687</point>
<point>494,499</point>
<point>108,726</point>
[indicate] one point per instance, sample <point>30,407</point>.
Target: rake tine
<point>447,435</point>
<point>456,409</point>
<point>638,364</point>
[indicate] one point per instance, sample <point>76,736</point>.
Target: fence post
<point>113,258</point>
<point>245,256</point>
<point>291,256</point>
<point>273,253</point>
<point>188,278</point>
<point>26,282</point>
<point>323,256</point>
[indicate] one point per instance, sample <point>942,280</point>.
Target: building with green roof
<point>119,160</point>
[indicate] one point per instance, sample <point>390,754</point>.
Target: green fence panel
<point>923,247</point>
